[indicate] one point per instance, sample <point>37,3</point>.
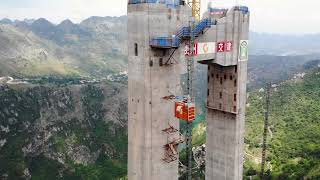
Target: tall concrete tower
<point>156,55</point>
<point>154,76</point>
<point>226,98</point>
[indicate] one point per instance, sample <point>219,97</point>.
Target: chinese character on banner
<point>220,47</point>
<point>228,46</point>
<point>195,49</point>
<point>187,50</point>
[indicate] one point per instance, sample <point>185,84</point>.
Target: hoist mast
<point>195,6</point>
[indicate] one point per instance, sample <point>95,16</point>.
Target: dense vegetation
<point>294,130</point>
<point>294,140</point>
<point>46,137</point>
<point>94,48</point>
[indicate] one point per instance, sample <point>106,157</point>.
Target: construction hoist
<point>185,109</point>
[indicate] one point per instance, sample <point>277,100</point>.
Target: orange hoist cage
<point>185,111</point>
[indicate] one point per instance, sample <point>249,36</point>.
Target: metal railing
<point>162,42</point>
<point>169,3</point>
<point>184,33</point>
<point>243,9</point>
<point>205,23</point>
<point>142,1</point>
<point>217,10</point>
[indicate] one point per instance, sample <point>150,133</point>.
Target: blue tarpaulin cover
<point>169,3</point>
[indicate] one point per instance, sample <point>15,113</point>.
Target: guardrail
<point>243,9</point>
<point>184,33</point>
<point>206,23</point>
<point>169,3</point>
<point>165,42</point>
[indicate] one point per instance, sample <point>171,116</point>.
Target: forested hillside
<point>294,129</point>
<point>63,132</point>
<point>72,129</point>
<point>293,132</point>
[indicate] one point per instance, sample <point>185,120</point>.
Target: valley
<point>71,132</point>
<point>63,108</point>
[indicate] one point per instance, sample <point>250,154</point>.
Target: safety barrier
<point>217,11</point>
<point>169,3</point>
<point>206,23</point>
<point>184,33</point>
<point>165,42</point>
<point>243,9</point>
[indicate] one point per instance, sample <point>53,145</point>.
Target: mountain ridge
<point>97,45</point>
<point>261,43</point>
<point>81,50</point>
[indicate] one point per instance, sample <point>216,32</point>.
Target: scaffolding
<point>171,148</point>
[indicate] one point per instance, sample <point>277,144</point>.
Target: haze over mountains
<point>97,46</point>
<point>276,44</point>
<point>38,47</point>
<point>51,129</point>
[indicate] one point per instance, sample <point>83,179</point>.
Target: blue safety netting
<point>243,9</point>
<point>214,10</point>
<point>217,10</point>
<point>162,42</point>
<point>169,3</point>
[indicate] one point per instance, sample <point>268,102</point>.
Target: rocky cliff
<point>63,132</point>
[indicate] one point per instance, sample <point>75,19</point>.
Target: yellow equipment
<point>195,5</point>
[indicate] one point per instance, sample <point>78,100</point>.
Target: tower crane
<point>195,6</point>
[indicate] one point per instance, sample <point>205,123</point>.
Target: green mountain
<point>265,68</point>
<point>97,47</point>
<point>60,127</point>
<point>60,131</point>
<point>294,130</point>
<point>63,132</point>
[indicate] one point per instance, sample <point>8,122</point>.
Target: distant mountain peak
<point>5,21</point>
<point>66,22</point>
<point>29,21</point>
<point>43,28</point>
<point>43,22</point>
<point>67,25</point>
<point>22,25</point>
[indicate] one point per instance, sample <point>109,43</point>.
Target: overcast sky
<point>273,16</point>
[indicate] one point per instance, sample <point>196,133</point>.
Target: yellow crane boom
<point>195,6</point>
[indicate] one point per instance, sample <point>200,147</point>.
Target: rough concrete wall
<point>138,165</point>
<point>225,124</point>
<point>209,35</point>
<point>222,88</point>
<point>149,81</point>
<point>242,91</point>
<point>221,146</point>
<point>229,29</point>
